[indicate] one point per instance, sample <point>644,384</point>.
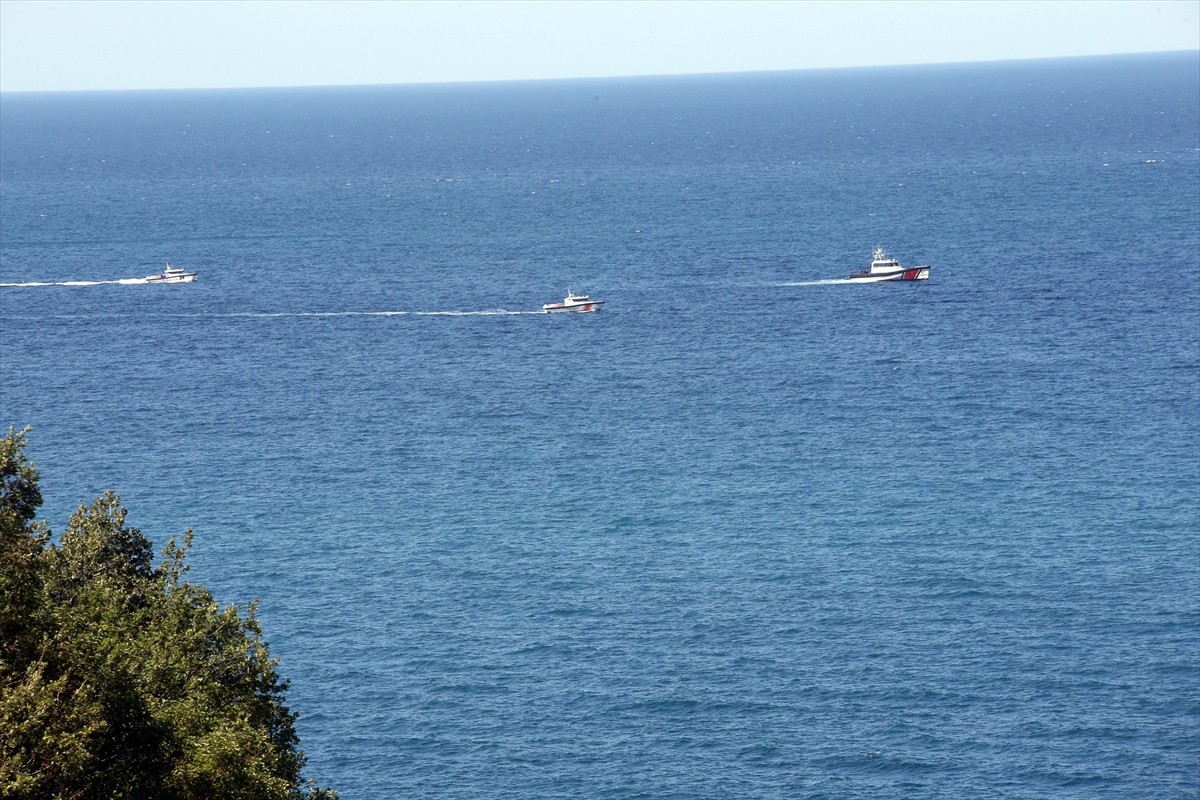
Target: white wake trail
<point>825,282</point>
<point>499,312</point>
<point>122,281</point>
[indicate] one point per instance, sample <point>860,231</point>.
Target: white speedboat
<point>884,268</point>
<point>171,275</point>
<point>577,303</point>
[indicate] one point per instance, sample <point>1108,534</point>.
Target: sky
<point>72,45</point>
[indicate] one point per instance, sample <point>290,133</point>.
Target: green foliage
<point>21,543</point>
<point>118,678</point>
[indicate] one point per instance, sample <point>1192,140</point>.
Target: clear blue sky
<point>169,44</point>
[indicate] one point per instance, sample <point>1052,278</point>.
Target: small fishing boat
<point>171,275</point>
<point>884,268</point>
<point>576,303</point>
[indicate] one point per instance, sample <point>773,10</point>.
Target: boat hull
<point>908,274</point>
<point>575,308</point>
<point>172,279</point>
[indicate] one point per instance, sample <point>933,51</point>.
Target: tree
<point>120,679</point>
<point>21,542</point>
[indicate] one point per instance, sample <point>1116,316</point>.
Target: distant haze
<point>56,45</point>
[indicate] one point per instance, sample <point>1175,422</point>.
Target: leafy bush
<point>118,678</point>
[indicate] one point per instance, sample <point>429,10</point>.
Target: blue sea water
<point>748,532</point>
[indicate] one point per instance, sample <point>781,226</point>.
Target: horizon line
<point>635,76</point>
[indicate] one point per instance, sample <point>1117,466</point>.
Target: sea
<point>750,531</point>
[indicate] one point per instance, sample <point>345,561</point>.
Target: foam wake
<point>122,281</point>
<point>498,312</point>
<point>826,282</point>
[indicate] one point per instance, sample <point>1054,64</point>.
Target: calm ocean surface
<point>747,533</point>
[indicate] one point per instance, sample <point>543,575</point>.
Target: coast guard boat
<point>171,275</point>
<point>577,303</point>
<point>884,268</point>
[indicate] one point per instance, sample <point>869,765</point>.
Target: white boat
<point>884,268</point>
<point>171,275</point>
<point>576,303</point>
